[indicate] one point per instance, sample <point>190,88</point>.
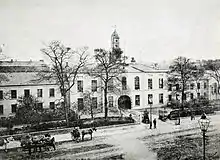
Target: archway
<point>124,102</point>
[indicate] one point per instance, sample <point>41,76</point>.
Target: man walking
<point>150,124</point>
<point>155,123</point>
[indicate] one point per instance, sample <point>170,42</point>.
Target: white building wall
<point>7,101</point>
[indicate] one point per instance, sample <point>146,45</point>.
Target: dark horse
<point>88,131</point>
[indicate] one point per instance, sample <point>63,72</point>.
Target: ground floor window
<point>191,96</point>
<point>40,106</point>
<point>1,109</point>
<point>150,98</point>
<point>137,100</point>
<point>80,104</point>
<point>110,101</point>
<point>170,97</point>
<point>13,108</point>
<point>52,105</point>
<point>94,102</point>
<point>161,98</point>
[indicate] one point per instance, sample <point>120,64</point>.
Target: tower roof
<point>115,34</point>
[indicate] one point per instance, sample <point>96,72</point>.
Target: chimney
<point>132,60</point>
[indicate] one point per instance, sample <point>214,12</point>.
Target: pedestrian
<point>155,123</point>
<point>150,124</point>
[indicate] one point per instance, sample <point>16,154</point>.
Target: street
<point>131,142</point>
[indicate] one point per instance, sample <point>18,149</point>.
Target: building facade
<point>142,87</point>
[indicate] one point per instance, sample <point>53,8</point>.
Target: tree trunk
<point>66,109</point>
<point>106,100</point>
<point>182,99</point>
<point>91,112</point>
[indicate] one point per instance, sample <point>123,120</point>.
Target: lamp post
<point>150,102</point>
<point>204,124</point>
<point>178,99</point>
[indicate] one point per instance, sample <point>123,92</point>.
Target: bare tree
<point>108,69</point>
<point>213,70</point>
<point>180,74</point>
<point>90,103</point>
<point>66,64</point>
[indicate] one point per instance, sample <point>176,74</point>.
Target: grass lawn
<point>188,147</point>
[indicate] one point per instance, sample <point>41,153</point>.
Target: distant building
<point>20,76</point>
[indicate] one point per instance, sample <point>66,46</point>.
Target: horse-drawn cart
<point>29,142</point>
<point>75,134</point>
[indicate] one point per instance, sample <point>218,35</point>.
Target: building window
<point>198,95</point>
<point>13,94</point>
<point>137,100</point>
<point>184,96</point>
<point>191,96</point>
<point>150,84</point>
<point>205,85</point>
<point>192,86</point>
<point>110,101</point>
<point>169,87</point>
<point>161,98</point>
<point>160,82</point>
<point>169,97</point>
<point>80,86</point>
<point>1,110</point>
<point>52,105</point>
<point>39,92</point>
<point>110,85</point>
<point>177,97</point>
<point>13,108</point>
<point>39,106</point>
<point>150,98</point>
<point>137,82</point>
<point>1,95</point>
<point>198,85</point>
<point>215,88</point>
<point>26,92</point>
<point>187,86</point>
<point>205,94</point>
<point>124,83</point>
<point>94,85</point>
<point>94,102</point>
<point>177,87</point>
<point>80,104</point>
<point>52,92</point>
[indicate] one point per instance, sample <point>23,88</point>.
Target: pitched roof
<point>21,66</point>
<point>21,78</point>
<point>138,67</point>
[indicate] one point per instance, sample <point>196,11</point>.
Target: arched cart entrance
<point>124,102</point>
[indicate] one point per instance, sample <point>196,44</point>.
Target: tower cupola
<point>115,40</point>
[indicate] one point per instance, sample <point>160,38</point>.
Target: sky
<point>149,30</point>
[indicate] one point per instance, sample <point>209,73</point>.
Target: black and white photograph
<point>109,79</point>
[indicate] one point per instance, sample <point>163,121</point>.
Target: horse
<point>75,134</point>
<point>5,141</point>
<point>88,131</point>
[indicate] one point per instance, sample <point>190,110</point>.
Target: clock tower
<point>115,40</point>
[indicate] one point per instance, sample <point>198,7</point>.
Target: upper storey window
<point>137,82</point>
<point>124,83</point>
